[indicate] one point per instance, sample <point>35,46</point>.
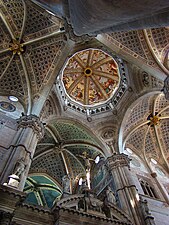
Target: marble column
<point>30,130</point>
<point>125,187</point>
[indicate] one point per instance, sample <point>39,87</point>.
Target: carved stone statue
<point>110,196</point>
<point>66,184</point>
<point>82,205</point>
<point>144,207</point>
<point>148,218</point>
<point>19,167</point>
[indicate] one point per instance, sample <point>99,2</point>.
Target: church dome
<point>91,77</point>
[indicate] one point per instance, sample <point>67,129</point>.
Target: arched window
<point>147,189</point>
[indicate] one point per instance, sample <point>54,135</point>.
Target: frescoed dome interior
<point>91,76</point>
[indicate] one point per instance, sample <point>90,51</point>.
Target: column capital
<point>33,122</point>
<point>118,160</point>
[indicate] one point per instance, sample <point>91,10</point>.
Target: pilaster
<point>119,166</point>
<point>30,130</point>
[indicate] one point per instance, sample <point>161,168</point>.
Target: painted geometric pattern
<point>69,131</point>
<point>23,18</point>
<point>3,63</point>
<point>161,37</point>
<point>75,166</point>
<point>163,132</point>
<point>130,40</point>
<point>47,138</point>
<point>15,10</point>
<point>139,113</point>
<point>40,149</point>
<point>137,139</point>
<point>160,103</point>
<point>37,19</point>
<point>53,163</point>
<point>42,58</point>
<point>13,81</point>
<point>151,145</point>
<point>46,143</point>
<point>4,36</point>
<point>91,76</point>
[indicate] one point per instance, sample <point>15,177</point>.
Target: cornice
<point>13,192</point>
<point>87,215</point>
<point>118,160</point>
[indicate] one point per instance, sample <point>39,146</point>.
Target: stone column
<point>125,188</point>
<point>30,130</point>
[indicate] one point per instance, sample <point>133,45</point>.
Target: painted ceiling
<point>41,190</point>
<point>60,150</point>
<point>91,76</point>
<point>146,129</point>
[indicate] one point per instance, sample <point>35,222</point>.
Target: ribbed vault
<point>31,41</point>
<point>146,129</point>
<point>58,153</point>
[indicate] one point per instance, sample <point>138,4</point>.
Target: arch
<point>46,175</point>
<point>41,189</point>
<point>97,142</point>
<point>165,55</point>
<point>128,112</point>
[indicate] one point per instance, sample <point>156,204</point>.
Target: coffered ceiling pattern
<point>31,43</point>
<point>146,130</point>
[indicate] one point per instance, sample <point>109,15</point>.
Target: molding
<point>33,122</point>
<point>118,160</point>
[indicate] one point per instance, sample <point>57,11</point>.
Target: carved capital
<point>33,122</point>
<point>118,160</point>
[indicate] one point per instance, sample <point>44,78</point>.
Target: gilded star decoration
<point>16,47</point>
<point>154,120</point>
